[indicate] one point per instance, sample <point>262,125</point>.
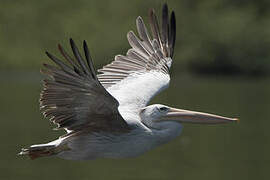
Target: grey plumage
<point>144,35</point>
<point>146,54</point>
<point>73,98</point>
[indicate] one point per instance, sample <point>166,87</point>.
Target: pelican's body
<point>107,115</point>
<point>107,145</point>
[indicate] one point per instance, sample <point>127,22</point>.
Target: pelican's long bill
<point>185,116</point>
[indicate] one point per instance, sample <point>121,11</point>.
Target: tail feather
<point>39,151</point>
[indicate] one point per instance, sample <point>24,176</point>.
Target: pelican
<point>106,115</point>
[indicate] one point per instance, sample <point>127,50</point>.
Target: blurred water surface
<point>234,151</point>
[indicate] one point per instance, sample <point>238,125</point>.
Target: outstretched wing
<point>74,99</point>
<point>135,78</point>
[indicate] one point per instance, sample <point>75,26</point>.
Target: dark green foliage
<point>213,36</point>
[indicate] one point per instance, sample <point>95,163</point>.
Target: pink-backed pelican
<point>106,115</point>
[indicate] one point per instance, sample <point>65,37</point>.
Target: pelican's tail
<point>43,150</point>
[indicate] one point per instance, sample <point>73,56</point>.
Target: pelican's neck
<point>164,135</point>
<point>151,136</point>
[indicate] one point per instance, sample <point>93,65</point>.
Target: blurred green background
<point>221,65</point>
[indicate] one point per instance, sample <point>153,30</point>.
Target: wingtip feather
<point>165,7</point>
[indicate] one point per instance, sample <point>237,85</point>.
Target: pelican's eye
<point>163,109</point>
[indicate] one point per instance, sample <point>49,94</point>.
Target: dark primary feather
<point>165,29</point>
<point>74,99</point>
<point>165,23</point>
<point>154,26</point>
<point>146,54</point>
<point>172,35</point>
<point>89,60</point>
<point>78,57</point>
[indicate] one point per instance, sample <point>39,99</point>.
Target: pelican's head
<point>159,116</point>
